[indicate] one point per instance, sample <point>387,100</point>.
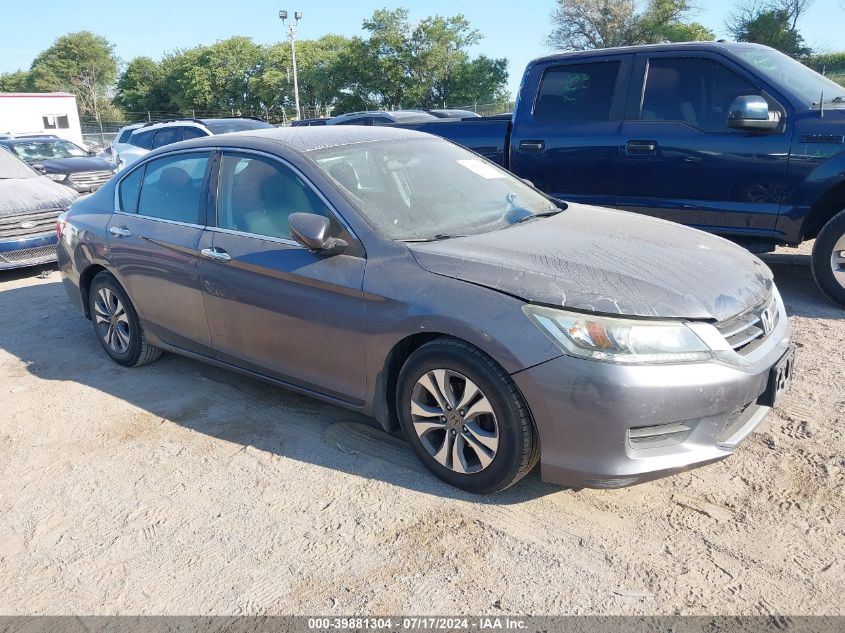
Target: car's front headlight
<point>57,177</point>
<point>619,340</point>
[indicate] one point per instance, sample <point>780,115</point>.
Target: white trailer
<point>40,113</point>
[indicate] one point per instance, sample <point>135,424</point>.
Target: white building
<point>42,112</point>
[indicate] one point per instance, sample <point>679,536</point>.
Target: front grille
<point>748,330</point>
<point>93,179</point>
<point>28,224</point>
<point>29,255</point>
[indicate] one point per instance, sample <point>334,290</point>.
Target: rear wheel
<point>116,323</point>
<point>829,259</point>
<point>465,417</point>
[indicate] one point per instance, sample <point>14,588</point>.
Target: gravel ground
<point>178,488</point>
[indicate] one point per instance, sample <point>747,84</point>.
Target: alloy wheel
<point>112,321</point>
<point>454,421</point>
<point>837,260</point>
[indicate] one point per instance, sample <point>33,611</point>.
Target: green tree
<point>18,81</point>
<point>139,88</point>
<point>82,63</point>
<point>765,24</point>
<point>588,24</point>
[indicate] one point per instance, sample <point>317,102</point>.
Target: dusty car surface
<point>29,206</point>
<point>402,276</point>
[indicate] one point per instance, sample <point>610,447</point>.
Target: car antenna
<point>821,105</point>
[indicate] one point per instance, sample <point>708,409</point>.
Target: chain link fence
<point>98,134</point>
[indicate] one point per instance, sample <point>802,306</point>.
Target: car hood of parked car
<point>609,262</point>
<point>74,165</point>
<point>23,195</point>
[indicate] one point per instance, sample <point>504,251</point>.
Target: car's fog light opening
<point>659,435</point>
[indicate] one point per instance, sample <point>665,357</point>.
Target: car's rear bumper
<point>30,251</point>
<point>604,425</point>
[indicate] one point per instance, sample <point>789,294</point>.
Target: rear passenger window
<point>695,91</point>
<point>580,93</point>
<point>166,136</point>
<point>172,188</point>
<point>192,132</point>
<point>128,191</point>
<point>256,195</point>
<point>144,140</point>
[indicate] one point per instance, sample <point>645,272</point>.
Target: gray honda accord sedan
<point>402,276</point>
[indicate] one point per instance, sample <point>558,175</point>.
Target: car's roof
<point>650,48</point>
<point>305,138</point>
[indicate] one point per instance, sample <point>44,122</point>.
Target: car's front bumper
<point>603,425</point>
<point>29,251</point>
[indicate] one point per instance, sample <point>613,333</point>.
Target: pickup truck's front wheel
<point>829,259</point>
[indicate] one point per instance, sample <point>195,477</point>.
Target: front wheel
<point>465,418</point>
<point>829,259</point>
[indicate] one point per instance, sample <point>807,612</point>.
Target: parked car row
<point>400,275</point>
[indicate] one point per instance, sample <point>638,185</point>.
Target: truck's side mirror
<point>752,113</point>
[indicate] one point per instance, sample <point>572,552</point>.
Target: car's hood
<point>607,261</point>
<point>74,165</point>
<point>19,196</point>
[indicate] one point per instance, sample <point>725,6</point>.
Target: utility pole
<point>297,16</point>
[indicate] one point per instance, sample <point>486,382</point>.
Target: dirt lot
<point>178,488</point>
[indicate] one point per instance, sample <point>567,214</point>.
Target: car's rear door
<point>566,140</point>
<point>274,307</point>
<point>681,161</point>
<point>154,237</point>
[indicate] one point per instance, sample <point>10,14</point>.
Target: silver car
<point>397,274</point>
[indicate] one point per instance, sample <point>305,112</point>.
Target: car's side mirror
<point>314,232</point>
<point>92,152</point>
<point>39,168</point>
<point>752,113</point>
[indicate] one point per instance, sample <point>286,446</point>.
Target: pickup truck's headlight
<point>619,340</point>
<point>57,177</point>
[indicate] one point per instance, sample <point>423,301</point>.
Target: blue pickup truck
<point>735,139</point>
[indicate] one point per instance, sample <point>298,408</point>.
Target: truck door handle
<point>120,231</point>
<point>641,147</point>
<point>532,146</point>
<point>217,254</point>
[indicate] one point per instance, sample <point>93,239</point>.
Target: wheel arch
<point>85,280</point>
<point>824,208</point>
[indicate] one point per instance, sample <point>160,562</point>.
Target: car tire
<point>116,323</point>
<point>451,431</point>
<point>828,261</point>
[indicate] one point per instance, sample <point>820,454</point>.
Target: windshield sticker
<point>482,169</point>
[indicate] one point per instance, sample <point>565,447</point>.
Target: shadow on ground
<point>39,327</point>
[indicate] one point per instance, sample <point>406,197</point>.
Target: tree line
<point>586,24</point>
<point>397,64</point>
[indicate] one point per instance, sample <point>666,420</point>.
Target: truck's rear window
<point>577,93</point>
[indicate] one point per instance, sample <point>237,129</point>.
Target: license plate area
<point>780,379</point>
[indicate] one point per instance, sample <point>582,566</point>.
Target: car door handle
<point>532,146</point>
<point>120,231</point>
<point>641,147</point>
<point>217,254</point>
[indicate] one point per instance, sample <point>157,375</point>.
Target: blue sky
<point>514,30</point>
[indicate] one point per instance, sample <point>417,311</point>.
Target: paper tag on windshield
<point>482,169</point>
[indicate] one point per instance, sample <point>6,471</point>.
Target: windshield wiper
<point>433,238</point>
<point>545,214</point>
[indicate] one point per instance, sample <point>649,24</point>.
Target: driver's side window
<point>256,195</point>
<point>693,90</point>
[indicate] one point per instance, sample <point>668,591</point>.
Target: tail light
<point>61,221</point>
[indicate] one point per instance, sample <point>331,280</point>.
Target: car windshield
<point>11,167</point>
<point>425,189</point>
<point>43,150</point>
<point>783,70</point>
<point>224,126</point>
